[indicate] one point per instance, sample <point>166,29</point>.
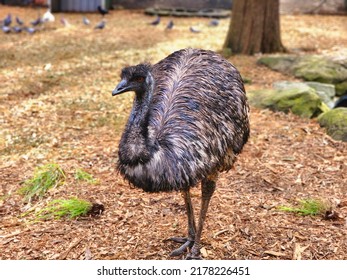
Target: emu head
<point>135,78</point>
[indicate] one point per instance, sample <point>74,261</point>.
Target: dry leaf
<point>298,250</point>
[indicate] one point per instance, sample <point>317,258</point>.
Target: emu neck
<point>139,112</point>
<point>136,147</point>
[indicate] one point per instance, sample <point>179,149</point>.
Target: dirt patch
<point>56,106</point>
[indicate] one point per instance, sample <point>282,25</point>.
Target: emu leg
<point>189,241</point>
<point>207,189</point>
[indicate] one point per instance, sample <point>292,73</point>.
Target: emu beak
<point>121,87</point>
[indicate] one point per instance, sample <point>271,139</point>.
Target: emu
<point>188,123</point>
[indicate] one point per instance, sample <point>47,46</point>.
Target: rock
<point>335,122</point>
<point>320,69</point>
<point>341,88</point>
<point>300,101</point>
<point>316,68</point>
<point>326,92</point>
<point>281,63</point>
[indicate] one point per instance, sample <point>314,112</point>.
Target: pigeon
<point>17,29</point>
<point>156,21</point>
<point>213,22</point>
<point>86,21</point>
<point>64,22</point>
<point>30,30</point>
<point>170,25</point>
<point>8,20</point>
<point>36,21</point>
<point>6,29</point>
<point>48,16</point>
<point>19,21</point>
<point>100,25</point>
<point>194,30</point>
<point>102,11</point>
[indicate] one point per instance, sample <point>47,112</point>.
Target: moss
<point>319,69</point>
<point>302,102</point>
<point>335,122</point>
<point>311,68</point>
<point>341,88</point>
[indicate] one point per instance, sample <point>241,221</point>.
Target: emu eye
<point>139,79</point>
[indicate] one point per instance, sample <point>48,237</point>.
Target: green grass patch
<point>60,208</point>
<point>81,175</point>
<point>45,177</point>
<point>311,207</point>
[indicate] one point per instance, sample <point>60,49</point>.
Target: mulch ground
<point>56,106</point>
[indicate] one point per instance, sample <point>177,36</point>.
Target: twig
<point>14,234</point>
<point>63,255</point>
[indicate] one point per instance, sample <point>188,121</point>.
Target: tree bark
<point>254,27</point>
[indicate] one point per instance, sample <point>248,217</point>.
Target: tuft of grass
<point>82,175</point>
<point>59,208</point>
<point>306,207</point>
<point>45,177</point>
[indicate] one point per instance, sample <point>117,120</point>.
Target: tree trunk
<point>254,27</point>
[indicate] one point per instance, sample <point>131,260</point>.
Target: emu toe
<point>187,243</point>
<point>194,253</point>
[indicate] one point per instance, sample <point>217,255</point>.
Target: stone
<point>320,69</point>
<point>341,88</point>
<point>315,68</point>
<point>335,122</point>
<point>281,63</point>
<point>326,92</point>
<point>300,101</point>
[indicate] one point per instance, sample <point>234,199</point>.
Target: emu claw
<point>181,250</point>
<point>179,239</point>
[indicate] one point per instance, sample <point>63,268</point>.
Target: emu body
<point>189,121</point>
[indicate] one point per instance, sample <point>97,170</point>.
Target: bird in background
<point>188,123</point>
<point>8,20</point>
<point>194,30</point>
<point>65,22</point>
<point>213,22</point>
<point>36,22</point>
<point>19,21</point>
<point>6,29</point>
<point>170,25</point>
<point>156,21</point>
<point>102,11</point>
<point>17,29</point>
<point>48,16</point>
<point>30,30</point>
<point>86,21</point>
<point>100,25</point>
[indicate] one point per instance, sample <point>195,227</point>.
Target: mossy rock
<point>303,102</point>
<point>326,92</point>
<point>320,69</point>
<point>315,68</point>
<point>281,63</point>
<point>341,88</point>
<point>335,122</point>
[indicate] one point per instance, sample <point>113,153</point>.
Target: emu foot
<point>187,243</point>
<point>194,253</point>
